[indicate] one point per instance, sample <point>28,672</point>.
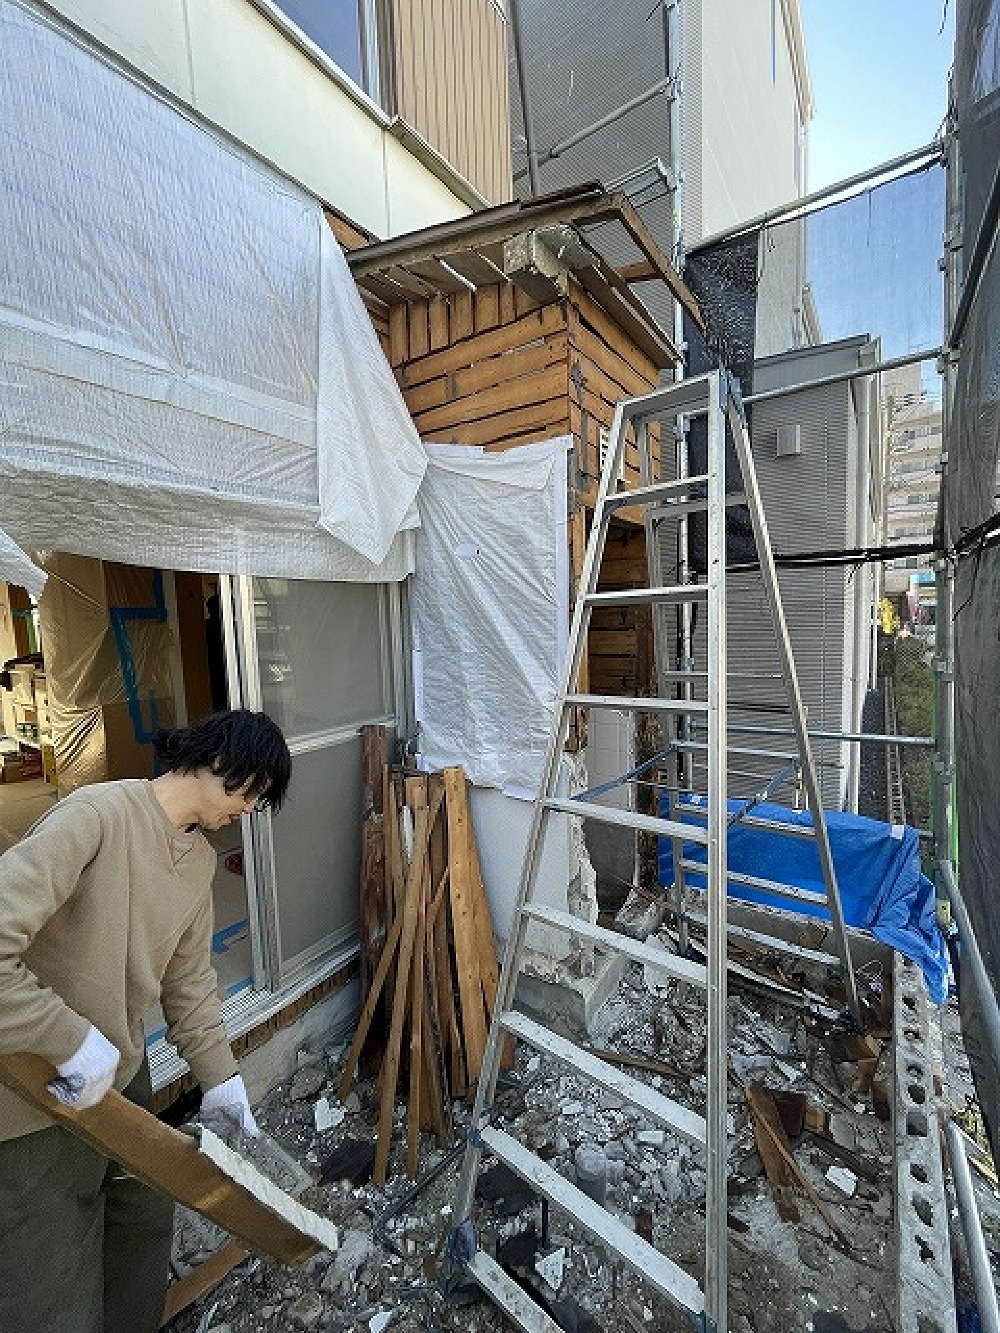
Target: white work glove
<point>88,1074</point>
<point>230,1098</point>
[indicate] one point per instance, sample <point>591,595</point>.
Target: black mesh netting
<point>969,496</point>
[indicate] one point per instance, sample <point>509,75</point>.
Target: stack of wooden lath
<point>429,969</point>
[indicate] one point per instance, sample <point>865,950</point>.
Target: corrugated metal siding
<point>450,82</point>
<point>806,507</point>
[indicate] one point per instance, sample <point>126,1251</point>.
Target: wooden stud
<point>464,923</point>
<point>487,307</point>
<point>411,911</point>
<point>529,328</point>
<point>438,322</point>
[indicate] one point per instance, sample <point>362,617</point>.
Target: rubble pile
<point>830,1267</point>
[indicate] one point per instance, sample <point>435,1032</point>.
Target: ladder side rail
<point>716,1279</point>
<point>486,1086</point>
<point>813,794</point>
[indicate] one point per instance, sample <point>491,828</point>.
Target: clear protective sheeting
<point>489,607</point>
<point>190,377</point>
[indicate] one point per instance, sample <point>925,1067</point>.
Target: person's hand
<point>231,1099</point>
<point>89,1074</point>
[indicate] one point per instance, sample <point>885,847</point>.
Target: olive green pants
<point>83,1247</point>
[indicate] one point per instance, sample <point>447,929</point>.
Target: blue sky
<point>880,80</point>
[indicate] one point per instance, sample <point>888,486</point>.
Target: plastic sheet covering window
<point>490,609</point>
<point>189,377</point>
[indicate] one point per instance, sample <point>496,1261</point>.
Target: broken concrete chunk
<point>650,1138</point>
<point>551,1268</point>
<point>327,1117</point>
<point>843,1179</point>
<point>307,1082</point>
<point>379,1321</point>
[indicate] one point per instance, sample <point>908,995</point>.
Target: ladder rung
<point>681,968</point>
<point>678,508</point>
<point>774,887</point>
<point>659,490</point>
<point>678,592</point>
<point>662,1109</point>
<point>741,749</point>
<point>613,814</point>
<point>628,705</point>
<point>652,1266</point>
<point>774,942</point>
<point>512,1299</point>
<point>753,821</point>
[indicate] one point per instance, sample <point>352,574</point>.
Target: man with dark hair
<point>105,910</point>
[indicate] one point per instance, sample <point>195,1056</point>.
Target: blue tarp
<point>878,871</point>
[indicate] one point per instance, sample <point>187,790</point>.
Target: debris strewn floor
<point>830,1269</point>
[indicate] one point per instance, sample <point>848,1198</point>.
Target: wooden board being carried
<point>232,1193</point>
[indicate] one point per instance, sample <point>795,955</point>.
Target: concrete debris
<point>327,1117</point>
<point>307,1083</point>
<point>844,1180</point>
<point>391,1269</point>
<point>552,1267</point>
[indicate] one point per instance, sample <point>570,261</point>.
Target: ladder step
<point>659,490</point>
<point>652,1266</point>
<point>612,814</point>
<point>662,1109</point>
<point>512,1299</point>
<point>631,705</point>
<point>752,821</point>
<point>678,592</point>
<point>774,887</point>
<point>678,508</point>
<point>774,942</point>
<point>681,968</point>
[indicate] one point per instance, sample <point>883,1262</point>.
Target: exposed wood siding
<point>450,83</point>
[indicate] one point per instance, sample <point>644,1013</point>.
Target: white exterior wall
<point>228,62</point>
<point>743,114</point>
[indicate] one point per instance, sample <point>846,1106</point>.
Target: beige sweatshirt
<point>105,908</point>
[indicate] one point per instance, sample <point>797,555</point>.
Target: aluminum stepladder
<point>712,395</point>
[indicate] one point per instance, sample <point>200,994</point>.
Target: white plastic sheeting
<point>490,609</point>
<point>189,377</point>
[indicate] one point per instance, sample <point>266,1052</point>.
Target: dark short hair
<point>240,746</point>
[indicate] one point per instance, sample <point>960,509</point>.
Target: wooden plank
<point>487,306</point>
<point>473,266</point>
<point>485,374</point>
<point>598,319</point>
<point>390,1071</point>
<point>770,1138</point>
<point>593,350</point>
<point>416,1030</point>
<point>202,1279</point>
<point>166,1160</point>
<point>538,387</point>
<point>528,329</point>
<point>462,316</point>
<point>364,1021</point>
<point>537,422</point>
<point>374,912</point>
<point>464,922</point>
<point>508,303</point>
<point>399,338</point>
<point>438,322</point>
<point>416,315</point>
